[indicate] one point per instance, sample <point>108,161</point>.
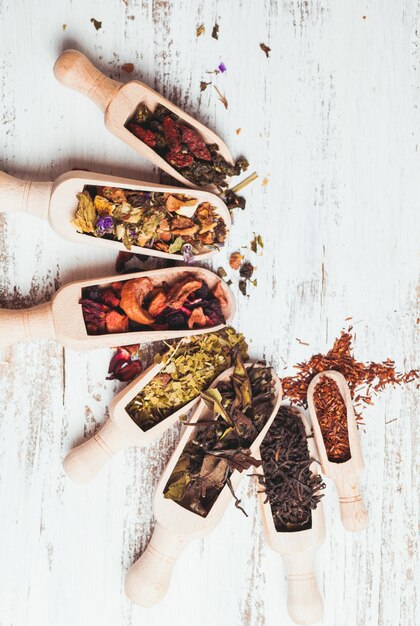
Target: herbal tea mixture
<point>191,367</point>
<point>292,488</point>
<point>331,413</point>
<point>155,220</point>
<point>182,147</point>
<point>364,379</point>
<point>220,444</point>
<point>139,304</point>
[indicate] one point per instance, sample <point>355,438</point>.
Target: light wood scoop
<point>297,548</point>
<point>56,202</point>
<point>120,431</point>
<point>345,475</point>
<point>119,102</point>
<point>148,579</point>
<point>62,318</point>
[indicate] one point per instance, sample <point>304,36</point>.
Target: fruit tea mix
<point>182,147</point>
<point>291,487</point>
<point>154,220</point>
<point>190,367</point>
<point>220,444</point>
<point>139,304</point>
<point>331,413</point>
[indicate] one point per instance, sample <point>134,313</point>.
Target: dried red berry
<point>195,144</point>
<point>179,159</point>
<point>146,136</point>
<point>109,298</point>
<point>171,133</point>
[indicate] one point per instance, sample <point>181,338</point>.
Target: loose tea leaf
<point>204,85</point>
<point>190,368</point>
<point>96,23</point>
<point>370,377</point>
<point>221,444</point>
<point>265,49</point>
<point>160,221</point>
<point>235,260</point>
<point>182,147</point>
<point>292,488</point>
<point>331,413</point>
<point>222,98</point>
<point>256,243</point>
<point>200,30</point>
<point>215,31</point>
<point>128,68</point>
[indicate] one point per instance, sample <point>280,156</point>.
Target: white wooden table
<point>331,120</point>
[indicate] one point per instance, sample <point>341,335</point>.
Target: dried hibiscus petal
<point>109,298</point>
<point>179,159</point>
<point>171,134</point>
<point>195,144</point>
<point>122,368</point>
<point>146,136</point>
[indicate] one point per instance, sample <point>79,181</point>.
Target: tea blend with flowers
<point>139,304</point>
<point>191,367</point>
<point>331,413</point>
<point>292,489</point>
<point>155,220</point>
<point>182,147</point>
<point>240,409</point>
<point>364,379</point>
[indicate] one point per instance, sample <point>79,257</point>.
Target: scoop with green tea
<point>200,481</point>
<point>157,399</point>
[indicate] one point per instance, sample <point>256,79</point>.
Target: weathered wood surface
<point>331,120</point>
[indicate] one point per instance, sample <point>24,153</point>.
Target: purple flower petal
<point>222,67</point>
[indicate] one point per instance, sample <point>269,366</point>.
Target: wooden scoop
<point>62,318</point>
<point>120,431</point>
<point>57,203</point>
<point>297,548</point>
<point>120,101</point>
<point>148,579</point>
<point>345,475</point>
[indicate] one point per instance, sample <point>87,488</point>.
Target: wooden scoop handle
<point>85,461</point>
<point>18,325</point>
<point>24,196</point>
<point>148,579</point>
<point>304,601</point>
<point>354,516</point>
<point>75,71</point>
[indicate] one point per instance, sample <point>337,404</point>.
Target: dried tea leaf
<point>64,26</point>
<point>265,49</point>
<point>96,23</point>
<point>127,67</point>
<point>238,131</point>
<point>200,30</point>
<point>256,242</point>
<point>246,270</point>
<point>215,31</point>
<point>213,399</point>
<point>204,85</point>
<point>176,245</point>
<point>242,287</point>
<point>221,272</point>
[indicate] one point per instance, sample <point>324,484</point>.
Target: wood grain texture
<point>331,120</point>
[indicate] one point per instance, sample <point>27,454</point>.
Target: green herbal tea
<point>190,368</point>
<point>292,488</point>
<point>220,443</point>
<point>171,223</point>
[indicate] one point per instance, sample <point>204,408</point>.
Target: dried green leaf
<point>213,399</point>
<point>176,245</point>
<point>85,214</point>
